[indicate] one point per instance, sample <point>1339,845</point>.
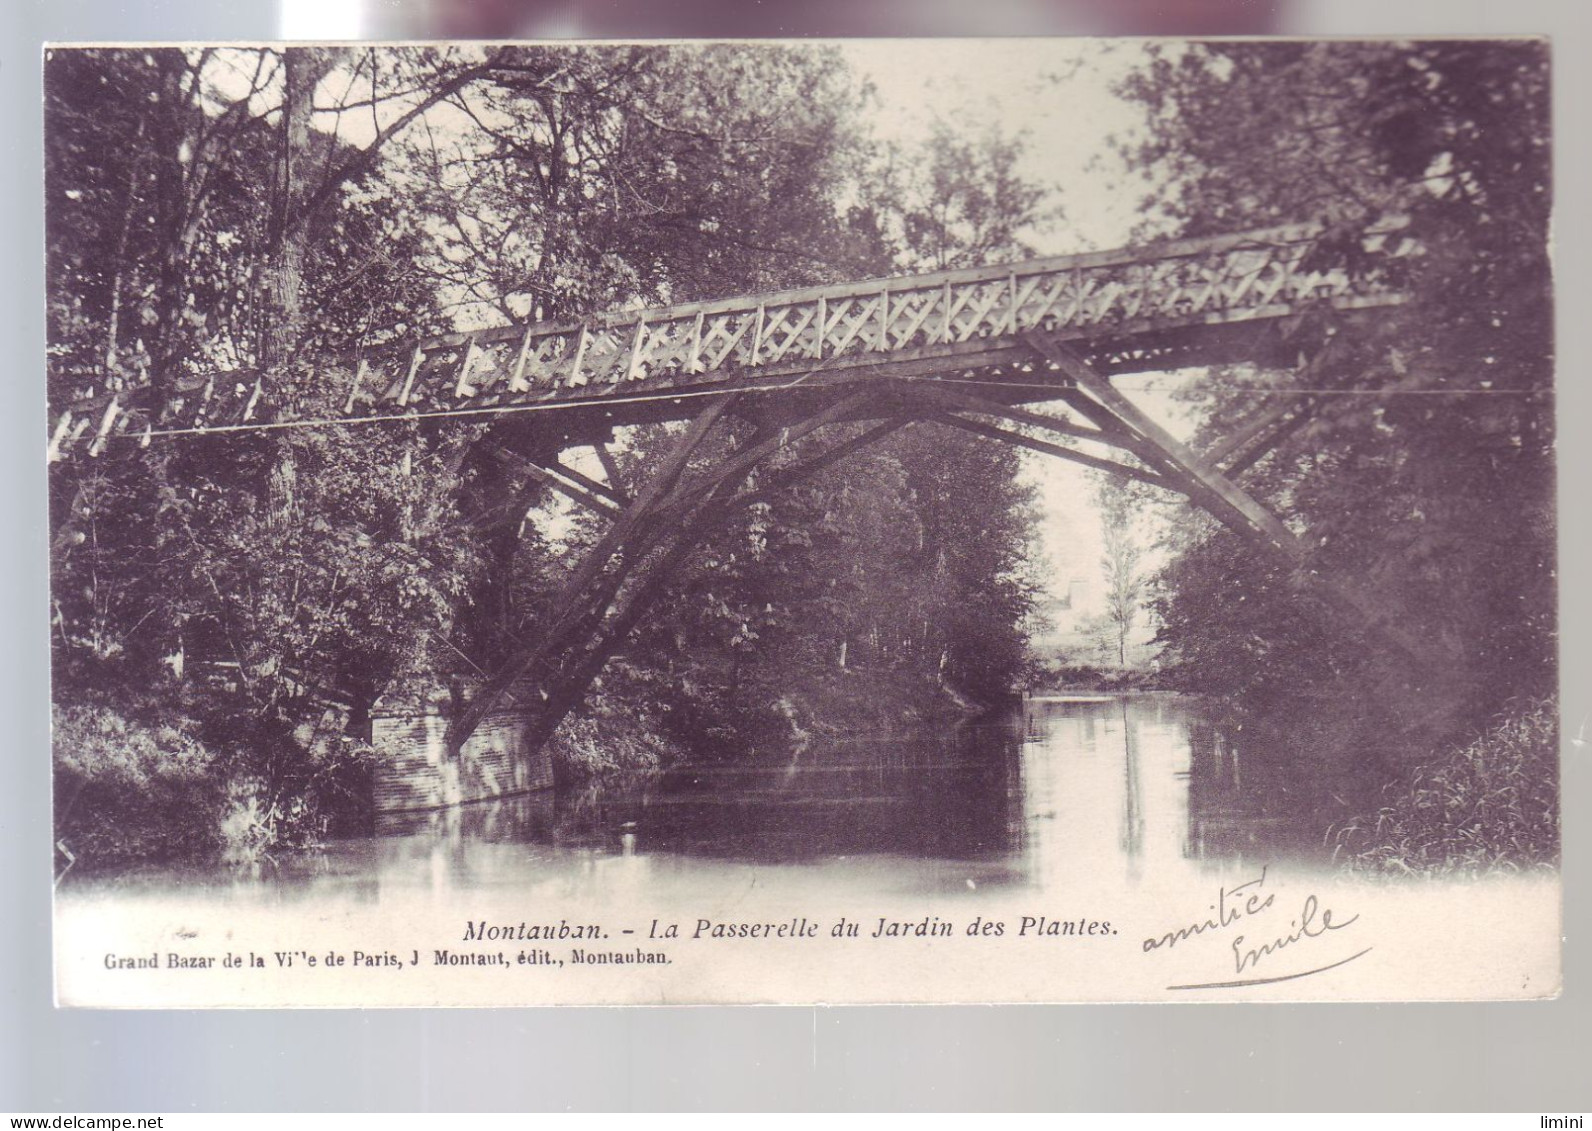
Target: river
<point>1043,853</point>
<point>1123,788</point>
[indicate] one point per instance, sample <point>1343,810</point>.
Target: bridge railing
<point>1247,275</point>
<point>1253,274</point>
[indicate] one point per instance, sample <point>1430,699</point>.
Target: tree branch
<point>362,160</point>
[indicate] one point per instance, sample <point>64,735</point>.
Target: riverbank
<point>1083,679</point>
<point>1383,803</point>
<point>176,774</point>
<point>1079,811</point>
<point>1491,805</point>
<point>174,779</point>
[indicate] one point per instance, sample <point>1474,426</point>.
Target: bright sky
<point>1057,94</point>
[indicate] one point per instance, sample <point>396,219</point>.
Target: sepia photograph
<point>959,521</point>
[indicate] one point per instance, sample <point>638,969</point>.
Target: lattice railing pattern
<point>1108,295</point>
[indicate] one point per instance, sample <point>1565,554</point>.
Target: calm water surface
<point>1117,790</point>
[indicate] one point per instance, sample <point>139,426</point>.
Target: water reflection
<point>1241,795</point>
<point>1146,786</point>
<point>1112,789</point>
<point>946,795</point>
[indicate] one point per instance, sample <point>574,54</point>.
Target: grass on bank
<point>1490,806</point>
<point>134,783</point>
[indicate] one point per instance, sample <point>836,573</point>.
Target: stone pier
<point>414,769</point>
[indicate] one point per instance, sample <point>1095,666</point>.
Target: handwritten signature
<point>1251,900</point>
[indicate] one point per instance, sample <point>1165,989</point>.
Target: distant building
<point>1064,613</point>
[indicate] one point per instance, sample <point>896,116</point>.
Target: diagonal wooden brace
<point>1230,503</point>
<point>1234,507</point>
<point>776,481</point>
<point>847,408</point>
<point>616,481</point>
<point>951,401</point>
<point>589,625</point>
<point>575,603</point>
<point>1248,443</point>
<point>550,477</point>
<point>596,487</point>
<point>569,681</point>
<point>978,428</point>
<point>1253,446</point>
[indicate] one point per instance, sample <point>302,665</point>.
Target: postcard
<point>802,522</point>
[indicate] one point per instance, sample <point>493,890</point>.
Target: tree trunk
<point>303,69</point>
<point>288,240</point>
<point>171,212</point>
<point>113,322</point>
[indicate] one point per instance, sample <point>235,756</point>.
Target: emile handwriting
<point>1233,905</point>
<point>1305,927</point>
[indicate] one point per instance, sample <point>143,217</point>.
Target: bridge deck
<point>1153,307</point>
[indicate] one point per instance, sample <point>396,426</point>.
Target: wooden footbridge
<point>846,364</point>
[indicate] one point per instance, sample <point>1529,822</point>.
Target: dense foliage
<point>1436,490</point>
<point>227,221</point>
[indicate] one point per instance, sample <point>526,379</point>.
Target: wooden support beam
<point>409,377</point>
<point>637,343</point>
<point>576,605</point>
<point>1017,438</point>
<point>1231,505</point>
<point>586,481</point>
<point>550,472</point>
<point>588,499</point>
<point>844,409</point>
<point>570,682</point>
<point>1261,432</point>
<point>517,381</point>
<point>1225,499</point>
<point>1252,454</point>
<point>1146,453</point>
<point>574,377</point>
<point>616,481</point>
<point>776,481</point>
<point>353,390</point>
<point>1119,434</point>
<point>1257,424</point>
<point>587,599</point>
<point>964,402</point>
<point>462,386</point>
<point>679,456</point>
<point>55,452</point>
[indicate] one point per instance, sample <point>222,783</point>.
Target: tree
<point>593,177</point>
<point>224,221</point>
<point>1426,468</point>
<point>908,557</point>
<point>227,228</point>
<point>958,201</point>
<point>1120,561</point>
